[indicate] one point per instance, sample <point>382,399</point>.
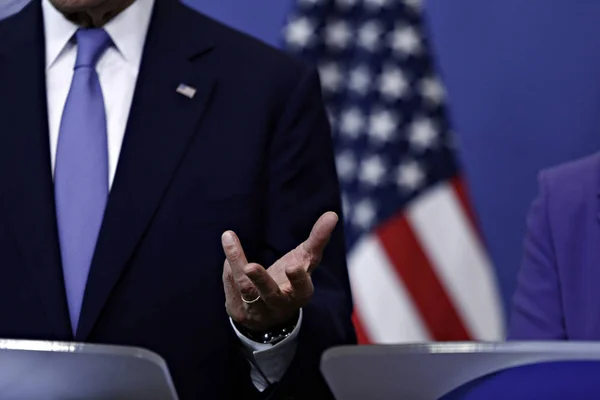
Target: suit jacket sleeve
<point>303,185</point>
<point>537,312</point>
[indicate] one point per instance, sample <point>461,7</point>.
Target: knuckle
<point>254,271</point>
<point>233,253</point>
<point>296,272</point>
<point>313,258</point>
<point>247,288</point>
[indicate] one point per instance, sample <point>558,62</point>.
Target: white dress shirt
<point>118,70</point>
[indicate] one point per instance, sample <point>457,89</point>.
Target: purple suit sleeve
<point>536,311</point>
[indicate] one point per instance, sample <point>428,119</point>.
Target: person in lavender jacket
<point>558,287</point>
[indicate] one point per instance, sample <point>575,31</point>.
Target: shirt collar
<point>127,30</point>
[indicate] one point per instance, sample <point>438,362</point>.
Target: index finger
<point>235,255</point>
<point>320,234</point>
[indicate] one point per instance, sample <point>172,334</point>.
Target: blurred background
<point>443,113</point>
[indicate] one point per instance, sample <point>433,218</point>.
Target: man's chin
<point>75,6</point>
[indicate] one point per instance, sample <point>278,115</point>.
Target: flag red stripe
<point>361,333</point>
<point>419,278</point>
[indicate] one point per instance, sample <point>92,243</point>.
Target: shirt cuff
<point>269,362</point>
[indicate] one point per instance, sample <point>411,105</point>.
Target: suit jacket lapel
<point>27,188</point>
<point>161,124</point>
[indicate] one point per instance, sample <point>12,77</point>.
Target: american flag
<point>418,268</point>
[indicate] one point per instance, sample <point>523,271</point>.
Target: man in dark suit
<point>161,175</point>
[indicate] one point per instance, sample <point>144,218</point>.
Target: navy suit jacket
<point>250,152</point>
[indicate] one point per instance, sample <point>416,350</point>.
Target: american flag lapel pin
<point>186,90</point>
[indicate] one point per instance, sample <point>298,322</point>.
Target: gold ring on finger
<point>250,301</point>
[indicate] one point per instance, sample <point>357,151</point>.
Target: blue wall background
<point>263,19</point>
<point>524,85</point>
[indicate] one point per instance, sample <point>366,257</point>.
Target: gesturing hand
<point>260,298</point>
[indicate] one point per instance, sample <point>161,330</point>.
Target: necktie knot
<point>91,44</point>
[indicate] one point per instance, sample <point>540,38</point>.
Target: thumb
<point>320,234</point>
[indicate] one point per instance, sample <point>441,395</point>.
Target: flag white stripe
<point>386,310</point>
<point>459,259</point>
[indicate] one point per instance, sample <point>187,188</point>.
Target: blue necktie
<point>81,172</point>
